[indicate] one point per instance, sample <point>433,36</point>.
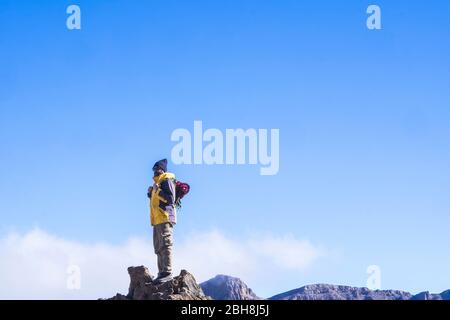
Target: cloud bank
<point>38,265</point>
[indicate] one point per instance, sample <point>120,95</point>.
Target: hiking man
<point>163,217</point>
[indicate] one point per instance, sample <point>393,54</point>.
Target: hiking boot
<point>163,277</point>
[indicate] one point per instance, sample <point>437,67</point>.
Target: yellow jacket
<point>162,200</point>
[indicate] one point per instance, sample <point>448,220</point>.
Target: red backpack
<point>181,189</point>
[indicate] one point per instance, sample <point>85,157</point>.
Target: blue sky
<point>363,118</point>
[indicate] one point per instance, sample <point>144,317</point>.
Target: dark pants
<point>163,242</point>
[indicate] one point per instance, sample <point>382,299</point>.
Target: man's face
<point>157,172</point>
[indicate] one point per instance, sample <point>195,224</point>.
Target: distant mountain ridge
<point>224,287</point>
<point>333,292</point>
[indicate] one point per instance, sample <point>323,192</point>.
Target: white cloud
<point>287,251</point>
<point>34,265</point>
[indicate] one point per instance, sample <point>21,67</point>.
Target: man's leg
<point>163,242</point>
<point>166,248</point>
<point>160,263</point>
<point>157,246</point>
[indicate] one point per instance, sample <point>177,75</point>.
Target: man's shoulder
<point>168,175</point>
<point>169,179</point>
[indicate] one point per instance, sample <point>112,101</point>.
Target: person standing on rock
<point>163,218</point>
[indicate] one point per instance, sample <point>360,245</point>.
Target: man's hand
<point>149,192</point>
<point>150,189</point>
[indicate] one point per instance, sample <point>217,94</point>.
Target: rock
<point>332,292</point>
<point>119,297</point>
<point>139,276</point>
<point>224,287</point>
<point>182,287</point>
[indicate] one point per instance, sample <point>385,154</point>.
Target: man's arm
<point>167,191</point>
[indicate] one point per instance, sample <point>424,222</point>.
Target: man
<point>163,218</point>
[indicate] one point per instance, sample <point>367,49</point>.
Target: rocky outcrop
<point>332,292</point>
<point>224,287</point>
<point>182,287</point>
